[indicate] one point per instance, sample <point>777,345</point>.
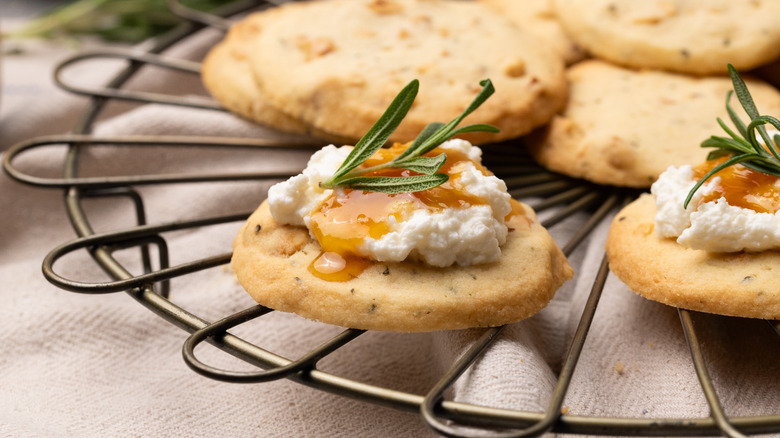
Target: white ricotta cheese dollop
<point>463,236</point>
<point>713,226</point>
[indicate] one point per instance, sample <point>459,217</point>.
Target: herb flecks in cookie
<point>743,147</point>
<point>351,175</point>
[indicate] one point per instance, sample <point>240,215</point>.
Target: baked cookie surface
<point>337,65</point>
<point>271,262</point>
<point>659,269</point>
<point>539,18</point>
<point>227,75</point>
<point>689,36</point>
<point>625,127</point>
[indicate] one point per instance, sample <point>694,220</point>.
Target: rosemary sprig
<point>127,21</point>
<point>742,146</point>
<point>350,175</point>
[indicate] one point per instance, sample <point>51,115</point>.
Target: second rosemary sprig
<point>743,147</point>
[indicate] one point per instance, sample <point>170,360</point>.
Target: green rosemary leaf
<point>758,123</point>
<point>349,174</point>
<point>393,184</point>
<point>727,144</point>
<point>733,134</point>
<point>473,128</point>
<point>718,153</point>
<point>743,95</point>
<point>444,133</point>
<point>761,156</point>
<point>738,123</point>
<point>376,137</point>
<point>424,135</point>
<point>424,165</point>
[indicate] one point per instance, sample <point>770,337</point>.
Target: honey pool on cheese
<point>461,222</point>
<point>735,210</point>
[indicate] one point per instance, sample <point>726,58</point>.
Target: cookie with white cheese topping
<point>272,262</point>
<point>660,269</point>
<point>419,236</point>
<point>707,238</point>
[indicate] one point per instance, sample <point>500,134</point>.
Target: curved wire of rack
<point>524,178</point>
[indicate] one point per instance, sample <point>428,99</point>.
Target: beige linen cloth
<point>103,366</point>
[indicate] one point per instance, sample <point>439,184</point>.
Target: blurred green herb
<point>127,21</point>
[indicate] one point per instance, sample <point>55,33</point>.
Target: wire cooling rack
<point>547,191</point>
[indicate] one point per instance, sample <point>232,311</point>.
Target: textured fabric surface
<point>96,366</point>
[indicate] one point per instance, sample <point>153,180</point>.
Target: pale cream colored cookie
<point>228,77</point>
<point>625,127</point>
<point>689,36</point>
<point>538,17</point>
<point>337,65</point>
<point>272,261</point>
<point>734,284</point>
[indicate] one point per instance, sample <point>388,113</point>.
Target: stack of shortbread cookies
<point>611,91</point>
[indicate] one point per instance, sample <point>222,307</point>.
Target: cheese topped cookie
<point>624,127</point>
<point>336,65</point>
<point>688,36</point>
<point>416,237</point>
<point>707,239</point>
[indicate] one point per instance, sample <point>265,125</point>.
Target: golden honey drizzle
<point>345,219</point>
<point>742,187</point>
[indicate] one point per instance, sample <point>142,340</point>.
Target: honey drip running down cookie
<point>331,68</point>
<point>416,237</point>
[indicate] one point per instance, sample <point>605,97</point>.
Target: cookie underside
<point>271,262</point>
<point>734,284</point>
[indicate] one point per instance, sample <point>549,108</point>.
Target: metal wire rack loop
<point>219,328</point>
<point>123,181</point>
<point>554,412</point>
<point>130,95</point>
<point>132,237</point>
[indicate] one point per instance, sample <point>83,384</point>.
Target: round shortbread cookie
<point>337,65</point>
<point>659,269</point>
<point>271,262</point>
<point>688,36</point>
<point>538,17</point>
<point>227,75</point>
<point>625,127</point>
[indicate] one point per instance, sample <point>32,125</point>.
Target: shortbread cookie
<point>735,284</point>
<point>624,127</point>
<point>228,77</point>
<point>689,36</point>
<point>272,262</point>
<point>538,17</point>
<point>337,65</point>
